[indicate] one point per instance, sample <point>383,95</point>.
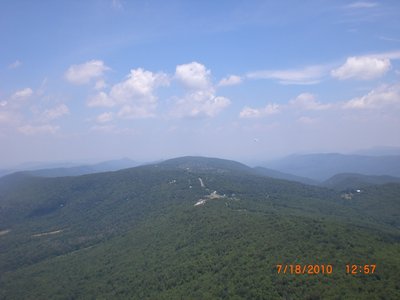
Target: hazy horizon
<point>253,162</point>
<point>249,81</point>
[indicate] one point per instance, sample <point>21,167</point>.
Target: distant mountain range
<point>74,170</point>
<point>337,171</point>
<point>351,181</point>
<point>320,167</point>
<point>378,151</point>
<point>281,175</point>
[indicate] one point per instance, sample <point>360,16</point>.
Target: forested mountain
<point>111,165</point>
<point>321,167</point>
<point>348,181</point>
<point>285,176</point>
<point>193,228</point>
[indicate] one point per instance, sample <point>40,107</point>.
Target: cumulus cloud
<point>230,80</point>
<point>137,112</point>
<point>56,112</point>
<point>307,75</point>
<point>302,102</point>
<point>200,103</point>
<point>100,84</point>
<point>269,109</point>
<point>101,100</point>
<point>104,117</point>
<point>139,85</point>
<point>386,95</point>
<point>307,101</point>
<point>135,95</point>
<point>40,129</point>
<point>200,98</point>
<point>363,67</point>
<point>24,93</point>
<point>193,75</point>
<point>84,73</point>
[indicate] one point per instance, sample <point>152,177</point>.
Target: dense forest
<point>195,228</point>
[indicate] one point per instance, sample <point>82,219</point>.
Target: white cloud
<point>139,86</point>
<point>230,80</point>
<point>15,64</point>
<point>307,75</point>
<point>136,98</point>
<point>358,67</point>
<point>193,75</point>
<point>32,130</point>
<point>137,112</point>
<point>56,112</point>
<point>101,100</point>
<point>84,73</point>
<point>100,84</point>
<point>363,67</point>
<point>249,112</point>
<point>200,103</point>
<point>200,98</point>
<point>361,4</point>
<point>307,101</point>
<point>386,95</point>
<point>24,93</point>
<point>104,117</point>
<point>135,94</point>
<point>304,101</point>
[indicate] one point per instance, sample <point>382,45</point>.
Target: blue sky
<point>246,80</point>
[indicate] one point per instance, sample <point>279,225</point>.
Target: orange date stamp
<point>310,269</point>
<point>324,269</point>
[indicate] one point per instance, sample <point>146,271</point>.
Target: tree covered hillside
<point>192,228</point>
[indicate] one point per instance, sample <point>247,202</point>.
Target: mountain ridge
<point>322,166</point>
<point>345,181</point>
<point>138,233</point>
<point>76,170</point>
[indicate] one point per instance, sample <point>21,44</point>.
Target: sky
<point>149,80</point>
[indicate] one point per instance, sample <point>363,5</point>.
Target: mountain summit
<point>199,163</point>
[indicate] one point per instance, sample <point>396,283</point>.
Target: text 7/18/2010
<point>325,269</point>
